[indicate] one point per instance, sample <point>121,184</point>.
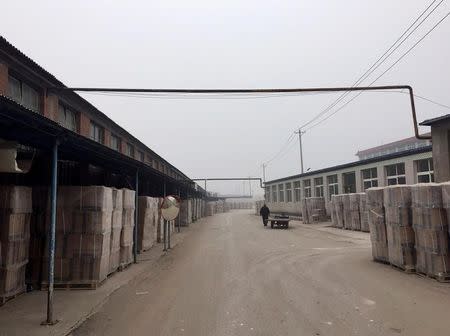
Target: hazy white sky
<point>240,44</point>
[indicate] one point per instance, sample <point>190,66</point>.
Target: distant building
<point>393,147</point>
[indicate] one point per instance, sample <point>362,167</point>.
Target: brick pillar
<point>51,107</point>
<point>85,125</point>
<point>123,146</point>
<point>3,79</point>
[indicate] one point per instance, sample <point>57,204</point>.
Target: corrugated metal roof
<point>433,121</point>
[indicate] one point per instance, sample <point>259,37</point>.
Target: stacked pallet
<point>354,215</point>
<point>116,230</point>
<point>210,208</point>
<point>15,215</point>
<point>347,212</point>
<point>400,233</point>
<point>306,219</point>
<point>128,222</point>
<point>333,211</point>
<point>377,224</point>
<point>83,236</point>
<point>338,204</point>
<point>147,220</point>
<point>363,213</point>
<point>430,224</point>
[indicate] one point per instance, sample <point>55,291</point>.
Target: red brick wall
<point>85,125</point>
<point>3,79</point>
<point>123,144</point>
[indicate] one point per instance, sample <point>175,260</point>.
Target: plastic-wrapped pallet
<point>15,216</point>
<point>430,222</point>
<point>354,200</point>
<point>347,212</point>
<point>316,210</point>
<point>210,208</point>
<point>339,210</point>
<point>363,214</point>
<point>333,211</point>
<point>83,236</point>
<point>377,224</point>
<point>184,213</point>
<point>147,217</point>
<point>306,219</point>
<point>116,230</point>
<point>126,236</point>
<point>400,233</point>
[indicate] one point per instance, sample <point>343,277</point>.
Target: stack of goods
<point>306,219</point>
<point>160,221</point>
<point>315,207</point>
<point>430,224</point>
<point>339,210</point>
<point>347,212</point>
<point>333,211</point>
<point>400,233</point>
<point>83,236</point>
<point>377,224</point>
<point>116,230</point>
<point>363,214</point>
<point>126,236</point>
<point>219,207</point>
<point>354,200</point>
<point>38,236</point>
<point>15,215</point>
<point>147,217</point>
<point>184,213</point>
<point>210,208</point>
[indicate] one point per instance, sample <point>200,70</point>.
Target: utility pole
<point>264,172</point>
<point>300,133</point>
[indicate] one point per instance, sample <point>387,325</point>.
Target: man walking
<point>264,212</point>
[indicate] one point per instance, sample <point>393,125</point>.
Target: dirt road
<point>231,276</point>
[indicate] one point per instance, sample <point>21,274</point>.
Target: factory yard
<point>232,276</point>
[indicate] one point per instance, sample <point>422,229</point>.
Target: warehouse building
<point>406,161</point>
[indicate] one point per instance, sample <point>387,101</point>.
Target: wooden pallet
<point>403,269</point>
<point>123,267</point>
<point>10,296</point>
<point>439,278</point>
<point>74,285</point>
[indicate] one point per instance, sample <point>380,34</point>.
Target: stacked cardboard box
<point>316,209</point>
<point>377,224</point>
<point>147,220</point>
<point>430,224</point>
<point>306,219</point>
<point>116,230</point>
<point>210,208</point>
<point>128,222</point>
<point>363,213</point>
<point>15,215</point>
<point>400,233</point>
<point>83,235</point>
<point>347,212</point>
<point>354,200</point>
<point>184,213</point>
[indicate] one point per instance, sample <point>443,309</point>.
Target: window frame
<point>92,132</point>
<point>307,188</point>
<point>318,188</point>
<point>66,110</point>
<point>281,192</point>
<point>297,191</point>
<point>288,188</point>
<point>130,150</point>
<point>428,173</point>
<point>397,177</point>
<point>371,181</point>
<point>274,193</point>
<point>118,140</point>
<point>22,99</point>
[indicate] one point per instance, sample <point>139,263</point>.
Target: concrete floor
<point>232,276</point>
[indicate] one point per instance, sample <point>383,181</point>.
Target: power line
<point>388,69</point>
<point>380,60</point>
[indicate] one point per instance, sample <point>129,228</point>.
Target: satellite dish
<point>170,207</point>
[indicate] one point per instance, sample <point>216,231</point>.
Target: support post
<point>51,235</point>
<point>135,231</point>
<point>300,133</point>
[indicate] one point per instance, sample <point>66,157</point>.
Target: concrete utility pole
<point>300,133</point>
<point>264,172</point>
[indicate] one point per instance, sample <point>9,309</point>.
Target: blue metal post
<point>135,232</point>
<point>51,236</point>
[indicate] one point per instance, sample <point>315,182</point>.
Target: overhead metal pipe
<point>51,235</point>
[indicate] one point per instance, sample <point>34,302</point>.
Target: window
<point>115,142</point>
<point>289,192</point>
<point>23,94</point>
<point>267,194</point>
<point>297,191</point>
<point>97,133</point>
<point>307,188</point>
<point>369,178</point>
<point>274,194</point>
<point>141,156</point>
<point>130,150</point>
<point>318,186</point>
<point>281,193</point>
<point>149,161</point>
<point>333,187</point>
<point>395,174</point>
<point>425,171</point>
<point>349,182</point>
<point>67,118</point>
